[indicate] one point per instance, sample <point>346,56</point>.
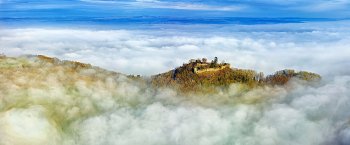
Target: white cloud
<point>322,50</point>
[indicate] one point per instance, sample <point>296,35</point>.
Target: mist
<point>94,106</point>
<point>265,48</point>
<point>43,103</point>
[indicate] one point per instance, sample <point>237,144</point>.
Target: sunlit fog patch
<point>28,126</point>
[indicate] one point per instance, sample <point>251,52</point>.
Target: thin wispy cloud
<point>181,5</point>
<point>318,8</point>
<point>186,6</point>
<point>222,8</point>
<point>102,1</point>
<point>301,5</point>
<point>327,5</point>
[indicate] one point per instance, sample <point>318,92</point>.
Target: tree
<point>214,62</point>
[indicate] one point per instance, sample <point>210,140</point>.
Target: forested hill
<point>195,76</point>
<point>200,74</point>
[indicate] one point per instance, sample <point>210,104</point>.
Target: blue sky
<point>176,8</point>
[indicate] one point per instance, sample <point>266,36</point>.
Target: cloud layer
<point>42,103</point>
<point>317,47</point>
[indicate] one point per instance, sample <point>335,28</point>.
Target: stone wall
<point>211,69</point>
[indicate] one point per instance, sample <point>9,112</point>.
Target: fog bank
<point>315,47</point>
<point>93,106</point>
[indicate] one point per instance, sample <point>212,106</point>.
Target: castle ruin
<point>202,66</point>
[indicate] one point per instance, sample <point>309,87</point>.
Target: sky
<point>84,10</point>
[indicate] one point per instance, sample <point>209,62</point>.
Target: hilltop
<point>199,75</point>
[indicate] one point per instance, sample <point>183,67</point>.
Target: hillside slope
<point>199,75</point>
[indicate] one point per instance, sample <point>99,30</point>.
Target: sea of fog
<point>321,47</point>
<point>303,115</point>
